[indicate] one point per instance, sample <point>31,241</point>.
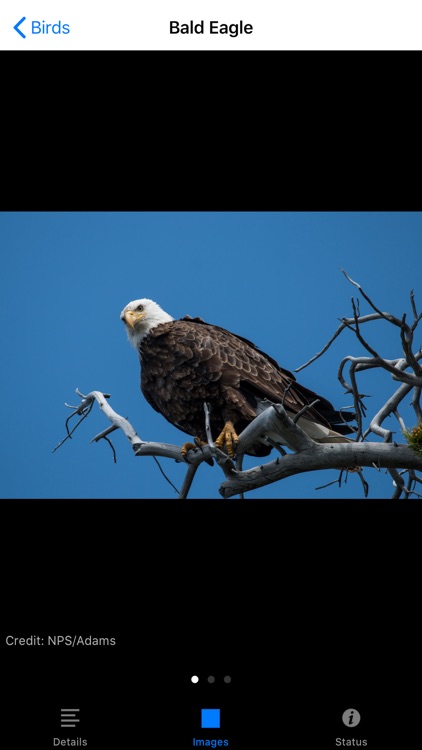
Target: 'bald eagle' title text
<point>215,27</point>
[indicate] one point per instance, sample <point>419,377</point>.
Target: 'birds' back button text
<point>35,28</point>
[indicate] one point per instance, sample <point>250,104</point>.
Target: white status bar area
<point>229,25</point>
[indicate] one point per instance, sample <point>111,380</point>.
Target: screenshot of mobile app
<point>206,25</point>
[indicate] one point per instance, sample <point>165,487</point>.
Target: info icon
<point>351,717</point>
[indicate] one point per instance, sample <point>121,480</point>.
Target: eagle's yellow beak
<point>132,318</point>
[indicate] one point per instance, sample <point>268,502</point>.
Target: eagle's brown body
<point>187,362</point>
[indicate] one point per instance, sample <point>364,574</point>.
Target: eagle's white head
<point>140,316</point>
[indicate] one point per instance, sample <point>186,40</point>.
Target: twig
<point>406,335</point>
<point>359,407</point>
<point>86,411</point>
<point>386,316</point>
<point>398,481</point>
<point>329,484</point>
<point>165,475</point>
<point>416,317</point>
<point>105,432</point>
<point>416,404</point>
<point>323,350</point>
<point>278,447</point>
<point>239,467</point>
<point>223,460</point>
<point>365,484</point>
<point>304,409</point>
<point>112,448</point>
<point>208,429</point>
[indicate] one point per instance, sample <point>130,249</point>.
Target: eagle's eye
<point>140,308</point>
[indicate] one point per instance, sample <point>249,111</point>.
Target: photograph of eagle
<point>187,362</point>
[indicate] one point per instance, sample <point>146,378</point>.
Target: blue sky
<point>272,277</point>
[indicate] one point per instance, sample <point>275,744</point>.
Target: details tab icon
<point>68,717</point>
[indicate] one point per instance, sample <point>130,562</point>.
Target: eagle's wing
<point>212,364</point>
<point>245,367</point>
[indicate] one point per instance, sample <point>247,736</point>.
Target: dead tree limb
<point>327,456</point>
<point>402,461</point>
<point>309,455</point>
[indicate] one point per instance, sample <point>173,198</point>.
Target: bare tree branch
<point>190,475</point>
<point>416,317</point>
<point>346,323</point>
<point>327,456</point>
<point>118,421</point>
<point>310,456</point>
<point>401,461</point>
<point>390,318</point>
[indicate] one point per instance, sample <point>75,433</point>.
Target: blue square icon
<point>210,718</point>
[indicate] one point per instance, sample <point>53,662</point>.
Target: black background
<point>310,607</point>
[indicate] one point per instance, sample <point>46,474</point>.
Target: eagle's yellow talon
<point>229,438</point>
<point>186,447</point>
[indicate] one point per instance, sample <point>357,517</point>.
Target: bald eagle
<point>187,362</point>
